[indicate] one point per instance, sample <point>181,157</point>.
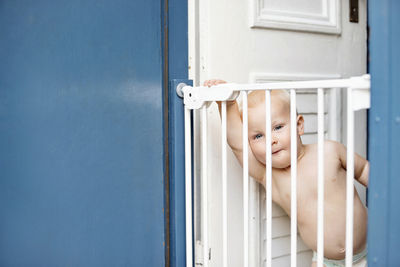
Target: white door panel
<point>302,15</point>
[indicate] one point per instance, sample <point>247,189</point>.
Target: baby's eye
<point>258,136</point>
<point>278,127</point>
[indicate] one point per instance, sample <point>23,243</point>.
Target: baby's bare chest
<point>334,179</point>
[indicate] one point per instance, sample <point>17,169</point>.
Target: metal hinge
<point>198,252</point>
<point>199,259</point>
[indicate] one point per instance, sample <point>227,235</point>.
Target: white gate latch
<point>196,97</point>
<point>361,94</point>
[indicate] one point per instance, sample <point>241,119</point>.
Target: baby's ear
<point>300,124</point>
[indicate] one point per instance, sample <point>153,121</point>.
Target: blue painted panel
<point>178,72</point>
<point>384,132</point>
<point>81,135</point>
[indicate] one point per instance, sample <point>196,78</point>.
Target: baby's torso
<point>334,203</point>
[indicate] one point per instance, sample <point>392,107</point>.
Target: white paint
<point>349,180</point>
<point>245,206</point>
<point>224,187</point>
<point>188,188</point>
<point>268,182</point>
<point>321,137</point>
<point>293,180</point>
<point>204,185</point>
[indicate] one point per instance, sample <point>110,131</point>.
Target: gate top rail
<point>196,97</point>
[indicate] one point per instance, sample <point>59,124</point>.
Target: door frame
<point>175,28</point>
<point>384,144</point>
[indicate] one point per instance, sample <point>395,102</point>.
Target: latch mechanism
<point>353,11</point>
<point>361,92</point>
<point>196,97</point>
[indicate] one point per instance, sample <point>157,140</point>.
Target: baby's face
<point>280,135</point>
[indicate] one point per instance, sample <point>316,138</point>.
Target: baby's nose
<point>274,141</point>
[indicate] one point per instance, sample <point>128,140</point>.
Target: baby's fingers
<point>210,83</point>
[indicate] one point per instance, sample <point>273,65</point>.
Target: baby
<point>307,184</point>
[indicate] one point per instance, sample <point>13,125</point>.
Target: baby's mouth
<point>276,152</point>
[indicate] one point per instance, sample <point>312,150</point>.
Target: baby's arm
<point>361,165</point>
<point>234,136</point>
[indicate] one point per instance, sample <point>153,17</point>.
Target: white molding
<point>260,77</point>
<point>328,21</point>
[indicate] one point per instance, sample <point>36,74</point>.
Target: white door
<point>246,41</point>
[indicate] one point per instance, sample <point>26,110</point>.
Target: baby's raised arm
<point>234,136</point>
<point>361,165</point>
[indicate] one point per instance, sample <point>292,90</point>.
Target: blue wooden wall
<point>384,134</point>
<point>81,133</point>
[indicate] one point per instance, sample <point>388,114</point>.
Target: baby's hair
<point>257,97</point>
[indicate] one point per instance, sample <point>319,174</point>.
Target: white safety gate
<point>358,97</point>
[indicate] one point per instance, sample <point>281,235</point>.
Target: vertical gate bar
<point>224,188</point>
<point>268,182</point>
<point>350,177</point>
<point>293,158</point>
<point>188,188</point>
<point>245,183</point>
<point>320,242</point>
<point>204,184</point>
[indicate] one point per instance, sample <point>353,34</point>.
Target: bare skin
<point>307,162</point>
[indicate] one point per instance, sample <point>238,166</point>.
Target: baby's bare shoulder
<point>331,147</point>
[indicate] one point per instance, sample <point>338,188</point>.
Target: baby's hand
<point>210,83</point>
